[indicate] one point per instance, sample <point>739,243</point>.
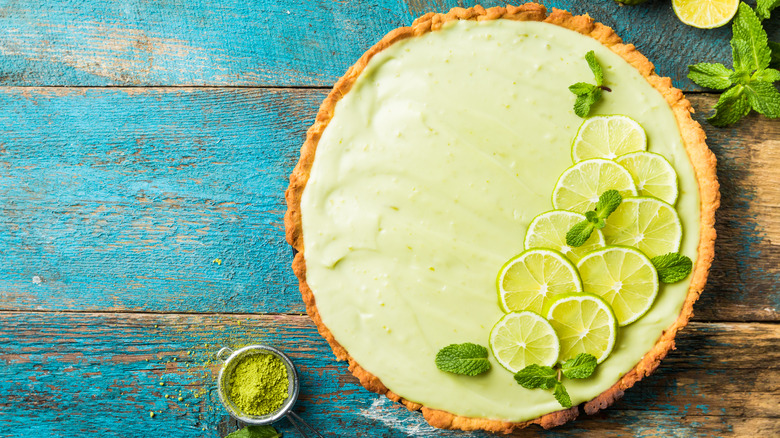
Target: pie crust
<point>693,136</point>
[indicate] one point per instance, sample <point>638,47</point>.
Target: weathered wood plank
<point>116,199</point>
<point>272,42</point>
<point>77,374</point>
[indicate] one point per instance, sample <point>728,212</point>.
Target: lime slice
<point>608,137</point>
<point>548,230</point>
<point>585,324</point>
<point>579,187</point>
<point>705,14</point>
<point>530,279</point>
<point>653,175</point>
<point>648,224</point>
<point>524,338</point>
<point>624,277</point>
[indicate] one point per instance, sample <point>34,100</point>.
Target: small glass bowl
<point>230,360</point>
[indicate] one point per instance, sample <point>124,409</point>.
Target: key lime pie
<point>459,226</point>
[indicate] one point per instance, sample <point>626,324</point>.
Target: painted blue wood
<point>273,42</point>
<point>156,200</point>
<point>66,375</point>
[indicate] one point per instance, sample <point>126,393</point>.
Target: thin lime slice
<point>524,338</point>
<point>705,14</point>
<point>608,137</point>
<point>648,224</point>
<point>585,324</point>
<point>653,175</point>
<point>579,187</point>
<point>548,230</point>
<point>624,277</point>
<point>529,280</point>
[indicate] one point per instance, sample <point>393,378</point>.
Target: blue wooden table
<point>144,151</point>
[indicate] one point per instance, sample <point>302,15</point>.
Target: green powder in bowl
<point>259,384</point>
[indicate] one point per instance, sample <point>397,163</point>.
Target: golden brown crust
<point>693,135</point>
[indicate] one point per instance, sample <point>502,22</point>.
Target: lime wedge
<point>579,187</point>
<point>653,175</point>
<point>624,277</point>
<point>524,338</point>
<point>705,14</point>
<point>648,224</point>
<point>530,279</point>
<point>607,137</point>
<point>548,230</point>
<point>585,324</point>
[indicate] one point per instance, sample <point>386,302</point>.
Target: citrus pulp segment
<point>624,277</point>
<point>608,137</point>
<point>648,224</point>
<point>520,339</point>
<point>585,323</point>
<point>548,230</point>
<point>705,14</point>
<point>579,187</point>
<point>653,175</point>
<point>529,280</point>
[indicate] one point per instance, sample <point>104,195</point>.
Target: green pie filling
<point>424,182</point>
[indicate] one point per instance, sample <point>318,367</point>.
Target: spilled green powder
<point>258,385</point>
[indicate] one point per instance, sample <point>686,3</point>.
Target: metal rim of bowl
<point>223,386</point>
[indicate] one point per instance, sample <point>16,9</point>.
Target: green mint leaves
<point>596,219</point>
<point>589,94</point>
<point>255,432</point>
<point>541,377</point>
<point>467,359</point>
<point>536,376</point>
<point>672,267</point>
<point>750,85</point>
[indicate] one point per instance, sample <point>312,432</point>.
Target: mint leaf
<point>747,27</point>
<point>255,432</point>
<point>595,67</point>
<point>561,395</point>
<point>715,76</point>
<point>581,88</point>
<point>581,367</point>
<point>672,267</point>
<point>768,75</point>
<point>764,98</point>
<point>732,105</point>
<point>764,7</point>
<point>608,202</point>
<point>467,359</point>
<point>536,376</point>
<point>585,102</point>
<point>579,234</point>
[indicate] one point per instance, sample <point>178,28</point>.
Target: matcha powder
<point>258,385</point>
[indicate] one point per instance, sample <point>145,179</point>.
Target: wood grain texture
<point>122,199</point>
<point>66,375</point>
<point>273,42</point>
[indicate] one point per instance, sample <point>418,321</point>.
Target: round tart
<point>425,166</point>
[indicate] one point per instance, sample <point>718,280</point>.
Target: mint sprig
<point>750,84</point>
<point>672,267</point>
<point>255,432</point>
<point>588,94</point>
<point>467,359</point>
<point>594,220</point>
<point>543,377</point>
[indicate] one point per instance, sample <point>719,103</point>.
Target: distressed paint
<point>272,42</point>
<point>68,375</point>
<point>121,199</point>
